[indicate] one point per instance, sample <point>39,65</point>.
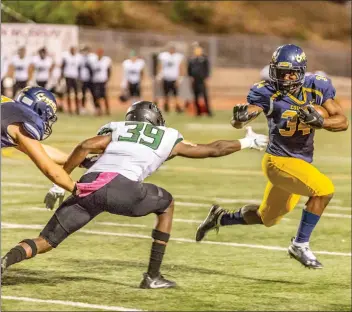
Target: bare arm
<point>214,149</point>
<point>58,156</point>
<point>253,112</point>
<point>337,120</point>
<point>95,145</point>
<point>36,152</point>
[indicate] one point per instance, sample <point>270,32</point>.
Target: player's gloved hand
<point>89,161</point>
<point>54,194</point>
<point>240,113</point>
<point>310,117</point>
<point>254,140</point>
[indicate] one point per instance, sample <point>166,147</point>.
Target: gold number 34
<point>292,121</point>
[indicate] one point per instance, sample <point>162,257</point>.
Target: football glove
<point>310,117</point>
<point>54,194</point>
<point>240,113</point>
<point>256,141</point>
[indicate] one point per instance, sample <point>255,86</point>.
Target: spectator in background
<point>170,72</point>
<point>101,74</point>
<point>199,71</point>
<point>42,66</point>
<point>133,72</point>
<point>19,70</point>
<point>69,68</point>
<point>86,73</point>
<point>4,71</point>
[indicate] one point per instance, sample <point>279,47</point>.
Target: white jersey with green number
<point>136,150</point>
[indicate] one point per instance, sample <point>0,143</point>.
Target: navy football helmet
<point>288,59</point>
<point>41,101</point>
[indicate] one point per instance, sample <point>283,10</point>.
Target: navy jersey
<point>14,112</point>
<point>287,136</point>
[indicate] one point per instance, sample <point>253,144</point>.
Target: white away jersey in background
<point>71,65</point>
<point>86,60</point>
<point>100,69</point>
<point>21,67</point>
<point>42,67</point>
<point>132,70</point>
<point>170,65</point>
<point>137,149</point>
<point>4,66</point>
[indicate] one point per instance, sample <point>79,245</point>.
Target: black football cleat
<point>304,255</point>
<point>211,222</point>
<point>156,282</point>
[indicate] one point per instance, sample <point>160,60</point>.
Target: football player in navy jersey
<point>287,101</point>
<point>27,121</point>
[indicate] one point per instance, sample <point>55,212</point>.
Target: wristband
<point>245,143</point>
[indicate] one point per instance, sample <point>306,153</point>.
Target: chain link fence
<point>224,51</point>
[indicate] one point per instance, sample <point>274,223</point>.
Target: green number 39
<point>136,128</point>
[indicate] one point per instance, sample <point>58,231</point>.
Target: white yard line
<point>69,303</point>
<point>5,225</point>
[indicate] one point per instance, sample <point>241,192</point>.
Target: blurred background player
<point>69,68</point>
<point>199,71</point>
<point>287,103</point>
<point>264,73</point>
<point>133,72</point>
<point>19,70</point>
<point>85,74</point>
<point>42,65</point>
<point>170,73</point>
<point>57,86</point>
<point>101,68</point>
<point>4,71</point>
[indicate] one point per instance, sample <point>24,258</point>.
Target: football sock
<point>156,257</point>
<point>232,218</point>
<point>308,222</point>
<point>15,255</point>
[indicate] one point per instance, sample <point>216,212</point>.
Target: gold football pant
<point>289,178</point>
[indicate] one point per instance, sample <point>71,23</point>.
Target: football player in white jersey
<point>171,69</point>
<point>43,66</point>
<point>101,68</point>
<point>70,70</point>
<point>19,70</point>
<point>133,72</point>
<point>130,151</point>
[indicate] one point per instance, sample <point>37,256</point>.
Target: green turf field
<point>100,267</point>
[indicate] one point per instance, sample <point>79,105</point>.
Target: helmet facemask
<point>277,78</point>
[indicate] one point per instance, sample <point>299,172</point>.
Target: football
<point>321,110</point>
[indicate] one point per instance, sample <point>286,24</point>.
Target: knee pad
<point>161,236</point>
<point>250,214</point>
<point>31,244</point>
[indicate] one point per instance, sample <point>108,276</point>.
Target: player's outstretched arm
<point>36,152</point>
<point>243,114</point>
<point>95,145</point>
<point>55,154</point>
<point>337,120</point>
<point>221,147</point>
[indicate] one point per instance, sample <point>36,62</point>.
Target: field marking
<point>69,303</point>
<point>228,171</point>
<point>5,225</point>
<point>29,185</point>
